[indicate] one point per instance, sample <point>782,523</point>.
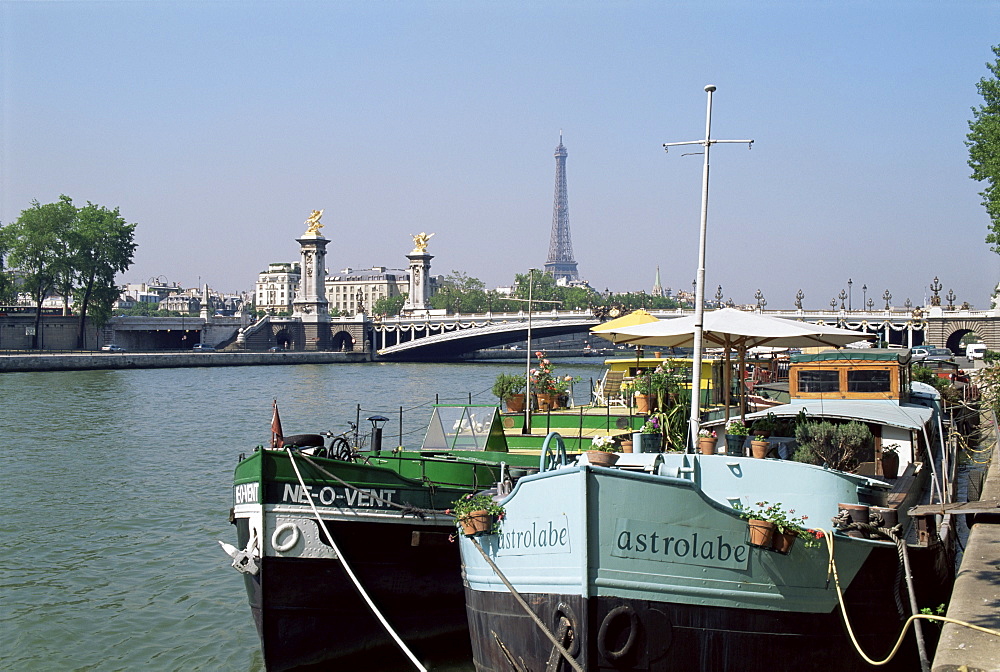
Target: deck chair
<point>609,389</point>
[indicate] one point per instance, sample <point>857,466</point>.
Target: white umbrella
<point>737,330</point>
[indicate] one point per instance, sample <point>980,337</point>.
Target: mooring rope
<point>524,605</point>
<point>350,572</point>
<point>832,570</point>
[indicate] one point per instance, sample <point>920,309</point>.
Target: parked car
<point>276,348</point>
<point>919,353</point>
<point>203,347</point>
<point>940,354</point>
<point>111,347</point>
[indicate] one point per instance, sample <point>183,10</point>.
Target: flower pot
<point>648,443</point>
<point>890,465</point>
<point>759,449</point>
<point>515,403</point>
<point>734,444</point>
<point>476,523</point>
<point>859,514</point>
<point>761,532</point>
<point>546,402</point>
<point>599,458</point>
<point>706,445</point>
<point>626,445</point>
<point>643,403</point>
<point>782,541</point>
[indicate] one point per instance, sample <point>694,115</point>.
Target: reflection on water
<point>117,484</point>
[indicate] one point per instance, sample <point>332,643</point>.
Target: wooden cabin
<point>851,374</point>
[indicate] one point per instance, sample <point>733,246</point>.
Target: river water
<point>115,486</point>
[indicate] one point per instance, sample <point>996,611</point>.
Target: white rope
<point>350,572</point>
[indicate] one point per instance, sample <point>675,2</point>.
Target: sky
<point>218,126</point>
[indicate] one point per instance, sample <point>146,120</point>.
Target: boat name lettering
<point>684,544</point>
<point>245,493</point>
<point>355,498</point>
<point>534,536</point>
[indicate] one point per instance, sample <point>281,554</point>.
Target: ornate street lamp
<point>718,297</point>
<point>871,304</point>
<point>849,306</point>
<point>798,299</point>
<point>951,299</point>
<point>761,302</point>
<point>935,287</point>
<point>833,303</point>
<point>843,296</point>
<point>864,295</point>
<point>908,304</point>
<point>887,297</point>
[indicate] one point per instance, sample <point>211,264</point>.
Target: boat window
<point>818,380</point>
<point>868,381</point>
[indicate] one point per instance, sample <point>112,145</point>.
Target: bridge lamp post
<point>864,295</point>
<point>849,283</point>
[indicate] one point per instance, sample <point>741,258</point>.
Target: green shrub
<point>841,446</point>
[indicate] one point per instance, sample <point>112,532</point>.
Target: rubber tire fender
<point>614,656</point>
<point>302,441</point>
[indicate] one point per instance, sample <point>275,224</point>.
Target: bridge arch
<point>956,330</point>
<point>342,341</point>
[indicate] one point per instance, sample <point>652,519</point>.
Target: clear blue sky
<point>218,126</point>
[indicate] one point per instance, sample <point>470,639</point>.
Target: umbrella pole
<point>743,383</point>
<point>728,383</point>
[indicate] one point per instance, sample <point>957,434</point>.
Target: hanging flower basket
<point>476,523</point>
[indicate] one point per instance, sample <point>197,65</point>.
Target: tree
<point>389,306</point>
<point>983,142</point>
<point>461,293</point>
<point>103,247</point>
<point>6,277</point>
<point>36,241</point>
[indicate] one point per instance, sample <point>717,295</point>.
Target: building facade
<point>276,287</point>
<point>350,289</point>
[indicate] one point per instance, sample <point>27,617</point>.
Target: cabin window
<point>868,381</point>
<point>818,380</point>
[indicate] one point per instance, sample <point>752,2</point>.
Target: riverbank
<point>84,361</point>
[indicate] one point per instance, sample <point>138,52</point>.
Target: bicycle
<point>342,449</point>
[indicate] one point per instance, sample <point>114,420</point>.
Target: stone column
<point>310,305</point>
<point>420,281</point>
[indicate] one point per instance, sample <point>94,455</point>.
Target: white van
<point>975,350</point>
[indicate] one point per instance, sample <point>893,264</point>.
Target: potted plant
<point>562,386</point>
<point>890,460</point>
<point>706,441</point>
<point>666,386</point>
<point>650,435</point>
<point>602,451</point>
<point>543,380</point>
<point>759,446</point>
<point>765,426</point>
<point>625,443</point>
<point>736,434</point>
<point>510,390</point>
<point>774,528</point>
<point>643,386</point>
<point>477,514</point>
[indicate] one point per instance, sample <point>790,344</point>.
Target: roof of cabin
<point>881,411</point>
<point>898,356</point>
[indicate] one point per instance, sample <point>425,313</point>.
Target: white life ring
<point>292,540</point>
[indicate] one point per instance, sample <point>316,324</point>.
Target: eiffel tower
<point>560,262</point>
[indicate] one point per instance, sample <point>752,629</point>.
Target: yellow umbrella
<point>636,317</point>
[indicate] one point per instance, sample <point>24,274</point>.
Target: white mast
<point>699,301</point>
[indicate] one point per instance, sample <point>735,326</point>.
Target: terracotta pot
<point>761,532</point>
<point>546,402</point>
<point>706,445</point>
<point>782,541</point>
<point>642,403</point>
<point>626,445</point>
<point>599,458</point>
<point>515,403</point>
<point>476,523</point>
<point>759,449</point>
<point>890,465</point>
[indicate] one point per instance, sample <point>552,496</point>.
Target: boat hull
<point>309,612</point>
<point>655,573</point>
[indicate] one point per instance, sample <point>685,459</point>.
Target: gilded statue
<point>420,242</point>
<point>313,223</point>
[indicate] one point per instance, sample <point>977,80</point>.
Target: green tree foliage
<point>37,240</point>
<point>78,252</point>
<point>983,142</point>
<point>389,306</point>
<point>461,293</point>
<point>6,277</point>
<point>103,246</point>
